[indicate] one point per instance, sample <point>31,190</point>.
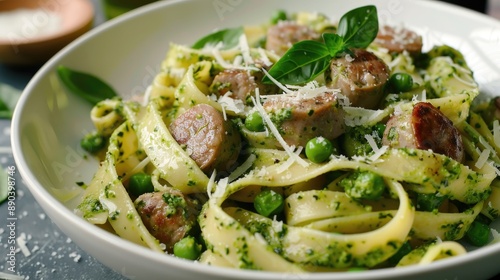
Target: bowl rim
<point>40,192</point>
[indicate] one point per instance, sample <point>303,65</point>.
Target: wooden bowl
<point>43,27</point>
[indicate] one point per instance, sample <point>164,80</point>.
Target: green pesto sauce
<point>281,116</point>
<point>173,202</point>
<point>90,207</point>
<point>453,231</point>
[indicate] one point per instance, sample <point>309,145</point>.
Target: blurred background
<point>494,8</point>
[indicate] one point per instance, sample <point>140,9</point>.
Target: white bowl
<point>49,122</point>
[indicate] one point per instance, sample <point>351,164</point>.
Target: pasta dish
<point>303,144</point>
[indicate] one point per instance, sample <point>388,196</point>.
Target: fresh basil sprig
<point>85,85</point>
<point>305,60</point>
<point>229,37</point>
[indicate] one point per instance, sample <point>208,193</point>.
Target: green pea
<point>478,234</point>
<point>254,122</point>
<point>363,185</point>
<point>93,142</point>
<point>319,149</point>
<point>401,82</point>
<point>140,183</point>
<point>269,203</point>
<point>187,248</point>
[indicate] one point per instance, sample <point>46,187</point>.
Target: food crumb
<point>76,257</point>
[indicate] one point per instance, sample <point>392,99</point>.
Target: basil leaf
<point>229,37</point>
<point>8,100</point>
<point>359,27</point>
<point>334,43</point>
<point>85,85</point>
<point>303,62</point>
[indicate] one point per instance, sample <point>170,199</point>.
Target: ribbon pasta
<point>321,228</point>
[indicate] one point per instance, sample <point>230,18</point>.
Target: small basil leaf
<point>85,85</point>
<point>334,43</point>
<point>228,37</point>
<point>359,27</point>
<point>8,100</point>
<point>301,63</point>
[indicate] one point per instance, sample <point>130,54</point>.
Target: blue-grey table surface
<point>52,255</point>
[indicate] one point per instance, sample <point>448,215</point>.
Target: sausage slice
<point>361,77</point>
<point>425,127</point>
<point>301,118</point>
<point>284,34</point>
<point>241,84</point>
<point>211,141</point>
<point>168,215</point>
<point>399,39</point>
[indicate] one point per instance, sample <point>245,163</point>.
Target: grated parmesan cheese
<point>263,56</point>
<point>140,166</point>
<point>241,169</point>
<point>496,133</point>
<point>482,158</point>
<point>286,164</point>
<point>274,130</point>
<point>108,204</point>
<point>356,116</point>
<point>245,50</point>
<point>220,188</point>
<point>21,242</point>
<point>234,105</point>
<point>220,60</point>
<point>280,85</point>
<point>378,152</point>
<point>211,184</point>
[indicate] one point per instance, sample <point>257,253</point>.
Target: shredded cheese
<point>274,130</point>
<point>467,83</point>
<point>220,60</point>
<point>377,151</point>
<point>240,170</point>
<point>234,105</point>
<point>496,133</point>
<point>220,188</point>
<point>245,50</point>
<point>211,184</point>
<point>21,242</point>
<point>482,158</point>
<point>286,164</point>
<point>264,57</point>
<point>356,116</point>
<point>280,85</point>
<point>140,166</point>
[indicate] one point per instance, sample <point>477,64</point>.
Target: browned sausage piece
<point>211,141</point>
<point>284,34</point>
<point>424,128</point>
<point>301,118</point>
<point>360,77</point>
<point>399,39</point>
<point>168,215</point>
<point>241,84</point>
